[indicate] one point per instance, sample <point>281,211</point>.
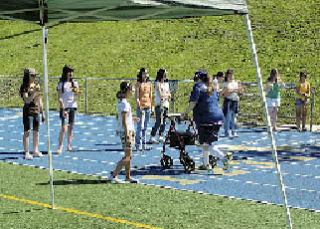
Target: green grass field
<point>142,204</point>
<point>287,36</point>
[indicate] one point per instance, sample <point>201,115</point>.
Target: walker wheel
<point>166,162</point>
<point>213,161</point>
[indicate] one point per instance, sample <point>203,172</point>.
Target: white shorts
<point>273,102</point>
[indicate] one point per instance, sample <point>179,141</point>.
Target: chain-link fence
<point>99,97</point>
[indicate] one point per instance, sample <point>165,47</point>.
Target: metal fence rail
<point>99,97</point>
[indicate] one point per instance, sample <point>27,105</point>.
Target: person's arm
<point>190,108</point>
<point>269,87</point>
<point>151,94</point>
<point>124,124</point>
<point>308,91</point>
<point>137,94</point>
<point>298,91</point>
<point>41,110</point>
<point>240,88</point>
<point>28,96</point>
<point>60,100</point>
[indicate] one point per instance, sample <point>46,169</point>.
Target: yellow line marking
<point>168,178</point>
<point>93,215</point>
<point>220,171</point>
<point>17,115</point>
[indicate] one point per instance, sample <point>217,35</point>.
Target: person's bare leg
<point>128,164</point>
<point>35,141</point>
<point>304,116</point>
<point>275,118</point>
<point>298,116</point>
<point>26,135</point>
<point>61,137</point>
<point>123,162</point>
<point>70,135</point>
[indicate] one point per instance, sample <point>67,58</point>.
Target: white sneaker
<point>161,139</point>
<point>153,140</point>
<point>116,180</point>
<point>131,180</point>
<point>28,156</point>
<point>234,134</point>
<point>37,154</point>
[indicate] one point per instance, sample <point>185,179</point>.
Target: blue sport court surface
<point>252,174</point>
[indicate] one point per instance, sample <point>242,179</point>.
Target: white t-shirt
<point>232,86</point>
<point>68,94</point>
<point>164,87</point>
<point>124,106</point>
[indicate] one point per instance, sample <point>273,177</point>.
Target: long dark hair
<point>25,84</point>
<point>303,74</point>
<point>124,87</point>
<point>139,76</point>
<point>65,70</point>
<point>160,75</point>
<point>229,71</point>
<point>274,72</point>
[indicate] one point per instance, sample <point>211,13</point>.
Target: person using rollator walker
<point>209,118</point>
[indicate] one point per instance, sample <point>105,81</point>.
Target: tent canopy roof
<point>53,11</point>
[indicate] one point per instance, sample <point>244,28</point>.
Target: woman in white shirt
<point>162,96</point>
<point>126,132</point>
<point>231,90</point>
<point>68,90</point>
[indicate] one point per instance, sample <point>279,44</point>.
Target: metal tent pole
<point>265,108</point>
<point>46,96</point>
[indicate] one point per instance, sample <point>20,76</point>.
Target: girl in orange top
<point>144,104</point>
<point>302,101</point>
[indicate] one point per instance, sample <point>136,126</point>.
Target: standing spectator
<point>218,78</point>
<point>274,86</point>
<point>208,117</point>
<point>126,132</point>
<point>68,91</point>
<point>231,90</point>
<point>162,96</point>
<point>144,104</point>
<point>302,101</point>
<point>30,93</point>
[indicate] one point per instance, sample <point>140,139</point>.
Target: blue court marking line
<point>75,211</point>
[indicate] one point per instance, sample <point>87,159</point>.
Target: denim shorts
<point>300,102</point>
<point>273,102</point>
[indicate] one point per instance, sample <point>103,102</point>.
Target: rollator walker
<point>179,140</point>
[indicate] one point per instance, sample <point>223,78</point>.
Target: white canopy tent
<point>46,12</point>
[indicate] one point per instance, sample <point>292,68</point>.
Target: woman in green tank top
<point>274,86</point>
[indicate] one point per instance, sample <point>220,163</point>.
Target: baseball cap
<point>199,75</point>
<point>30,71</point>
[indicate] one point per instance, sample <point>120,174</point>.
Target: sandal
<point>58,152</point>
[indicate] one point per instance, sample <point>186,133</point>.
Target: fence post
<point>86,97</point>
<point>312,106</point>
